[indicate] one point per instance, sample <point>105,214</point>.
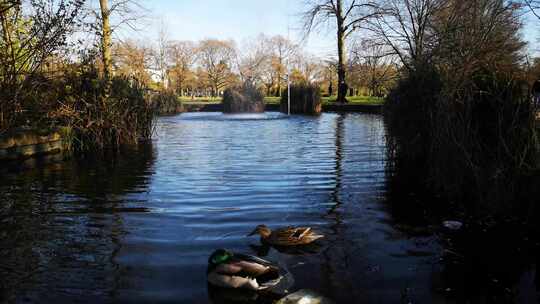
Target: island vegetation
<point>244,99</point>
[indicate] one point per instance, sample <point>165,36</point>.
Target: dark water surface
<point>140,229</point>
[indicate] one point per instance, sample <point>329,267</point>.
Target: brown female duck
<point>288,236</point>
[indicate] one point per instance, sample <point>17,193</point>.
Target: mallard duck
<point>239,271</point>
<point>288,236</point>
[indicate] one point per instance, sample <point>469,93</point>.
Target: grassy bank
<point>355,100</point>
<point>199,100</point>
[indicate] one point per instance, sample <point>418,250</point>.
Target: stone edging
<point>24,144</point>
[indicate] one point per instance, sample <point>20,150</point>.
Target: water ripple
<point>140,228</point>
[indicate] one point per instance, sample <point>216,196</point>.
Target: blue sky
<point>240,19</point>
<point>230,19</point>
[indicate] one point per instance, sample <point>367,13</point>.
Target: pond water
<point>139,229</point>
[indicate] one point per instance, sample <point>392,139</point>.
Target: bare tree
<point>282,51</point>
<point>111,15</point>
<point>160,57</point>
<point>328,73</point>
<point>349,16</point>
<point>405,28</point>
<point>182,56</point>
<point>25,46</point>
<point>216,58</point>
<point>534,6</point>
<point>252,59</point>
<point>202,82</point>
<point>308,68</point>
<point>457,103</point>
<point>133,59</point>
<point>374,67</point>
<point>475,36</point>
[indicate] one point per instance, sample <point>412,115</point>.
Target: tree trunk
<point>342,85</point>
<point>106,39</point>
<point>180,87</point>
<point>278,92</point>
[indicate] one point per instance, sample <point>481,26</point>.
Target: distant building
<point>156,77</point>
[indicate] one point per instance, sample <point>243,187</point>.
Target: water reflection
<point>230,296</point>
<point>139,229</point>
<point>264,249</point>
<point>488,262</point>
<point>335,252</point>
<point>62,225</point>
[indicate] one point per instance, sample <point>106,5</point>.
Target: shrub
<point>460,122</point>
<point>472,145</point>
<point>305,99</point>
<point>165,102</point>
<point>77,101</point>
<point>243,100</point>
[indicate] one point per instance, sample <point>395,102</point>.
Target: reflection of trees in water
<point>218,295</point>
<point>490,262</point>
<point>103,178</point>
<point>60,229</point>
<point>335,257</point>
<point>338,170</point>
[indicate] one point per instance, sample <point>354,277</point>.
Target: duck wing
<point>308,234</point>
<point>285,235</point>
<point>228,269</point>
<point>253,270</point>
<point>232,281</point>
<point>251,258</point>
<point>251,275</point>
<point>254,267</point>
<point>312,237</point>
<point>301,232</point>
<point>290,236</point>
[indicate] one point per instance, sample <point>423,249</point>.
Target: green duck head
<point>219,256</point>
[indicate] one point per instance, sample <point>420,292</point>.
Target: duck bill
<point>252,233</point>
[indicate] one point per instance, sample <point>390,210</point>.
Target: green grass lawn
<point>367,100</point>
<point>272,100</point>
<point>199,100</point>
<point>364,100</point>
